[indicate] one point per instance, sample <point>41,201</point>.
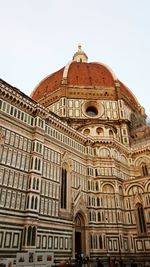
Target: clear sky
<point>38,37</point>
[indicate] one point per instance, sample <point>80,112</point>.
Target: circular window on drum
<point>93,109</point>
<point>86,131</point>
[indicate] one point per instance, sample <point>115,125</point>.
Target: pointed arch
<point>142,159</point>
<point>79,219</point>
<point>108,188</point>
<point>104,152</point>
<point>134,189</point>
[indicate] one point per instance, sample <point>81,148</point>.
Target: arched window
<point>95,241</point>
<point>35,164</point>
<point>24,236</point>
<point>40,148</point>
<point>118,216</point>
<point>33,236</point>
<point>99,217</point>
<point>100,242</point>
<point>29,183</point>
<point>27,202</point>
<point>144,170</point>
<point>92,187</point>
<point>37,147</point>
<point>88,185</point>
<point>102,216</point>
<point>97,187</point>
<point>78,220</point>
<point>94,216</point>
<point>32,202</point>
<point>39,165</point>
<point>64,189</point>
<point>100,131</point>
<point>86,131</point>
<point>141,224</point>
<point>35,205</point>
<point>98,202</point>
<point>33,146</point>
<point>34,183</point>
<point>90,216</point>
<point>93,201</point>
<point>91,239</point>
<point>31,163</point>
<point>29,235</point>
<point>37,184</point>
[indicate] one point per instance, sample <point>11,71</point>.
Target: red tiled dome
<point>78,74</point>
<point>48,85</point>
<point>82,74</point>
<point>93,74</point>
<point>128,95</point>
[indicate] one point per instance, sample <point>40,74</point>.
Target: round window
<point>87,131</point>
<point>91,111</point>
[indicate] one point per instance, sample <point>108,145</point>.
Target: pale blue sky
<point>37,37</point>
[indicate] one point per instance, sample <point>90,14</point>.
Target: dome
<point>79,74</point>
<point>89,74</point>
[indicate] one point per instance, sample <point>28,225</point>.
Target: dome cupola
<point>80,56</point>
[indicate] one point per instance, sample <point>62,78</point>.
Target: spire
<point>80,56</point>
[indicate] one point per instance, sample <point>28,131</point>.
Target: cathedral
<point>75,166</point>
